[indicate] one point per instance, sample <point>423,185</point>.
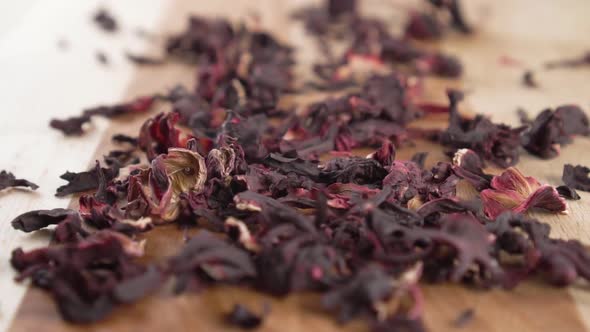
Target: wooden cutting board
<point>528,31</point>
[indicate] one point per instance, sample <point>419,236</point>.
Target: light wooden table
<point>40,82</point>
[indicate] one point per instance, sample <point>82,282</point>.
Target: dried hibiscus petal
<point>552,129</point>
<point>84,181</point>
<point>561,262</point>
<point>576,177</point>
<point>471,242</point>
<point>511,190</point>
<point>217,259</point>
<point>82,277</point>
<point>361,294</point>
<point>568,193</point>
<point>69,223</point>
<point>468,166</point>
<point>73,125</point>
<point>497,143</point>
<point>8,180</point>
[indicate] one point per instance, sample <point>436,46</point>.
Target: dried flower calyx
<point>513,191</point>
<point>180,171</point>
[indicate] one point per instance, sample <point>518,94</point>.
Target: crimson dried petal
<point>568,193</point>
<point>286,250</point>
<point>208,254</point>
<point>468,166</point>
<point>360,294</point>
<point>201,38</point>
<point>444,206</point>
<point>472,245</point>
<point>158,134</point>
<point>84,181</point>
<point>511,190</point>
<point>273,211</point>
<point>552,129</point>
<point>385,155</point>
<point>73,125</point>
<point>388,95</point>
<point>413,186</point>
<point>352,170</point>
<point>560,261</point>
<point>497,143</point>
<point>135,288</point>
<point>576,177</point>
<point>81,277</point>
<point>8,180</point>
<point>69,223</point>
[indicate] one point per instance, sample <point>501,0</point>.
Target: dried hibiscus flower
<point>576,177</point>
<point>8,180</point>
<point>159,187</point>
<point>513,191</point>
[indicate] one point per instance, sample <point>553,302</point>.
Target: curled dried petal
<point>511,190</point>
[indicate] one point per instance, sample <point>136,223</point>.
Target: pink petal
<point>546,198</point>
<point>495,202</point>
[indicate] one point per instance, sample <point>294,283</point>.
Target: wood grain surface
<point>527,30</point>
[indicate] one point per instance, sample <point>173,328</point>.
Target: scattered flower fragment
<point>73,125</point>
<point>528,79</point>
<point>8,180</point>
<point>552,129</point>
<point>105,21</point>
<point>568,193</point>
<point>576,177</point>
<point>513,191</point>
